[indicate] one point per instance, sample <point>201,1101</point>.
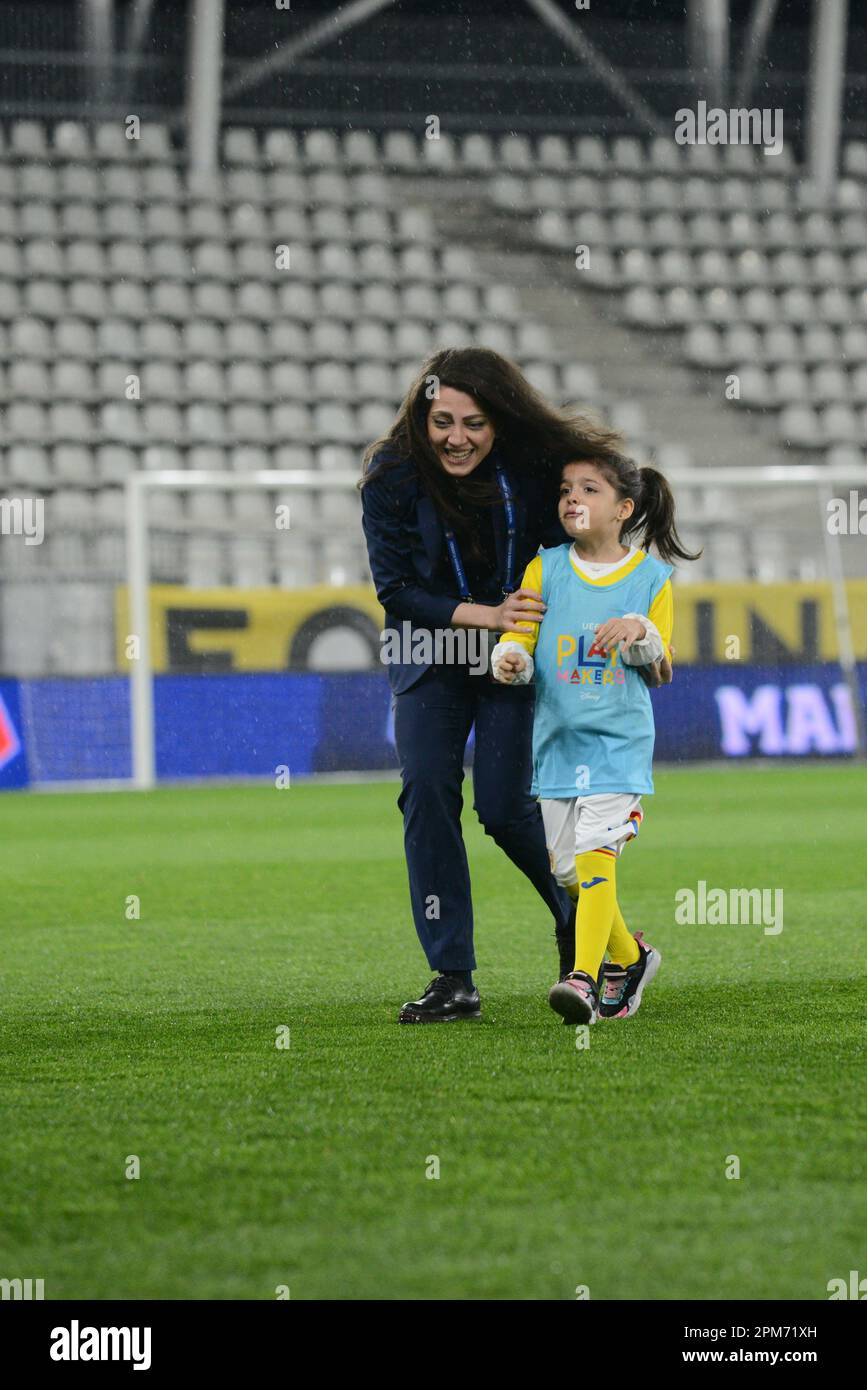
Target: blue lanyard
<point>455,554</point>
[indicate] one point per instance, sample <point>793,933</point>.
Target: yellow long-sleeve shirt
<point>661,610</point>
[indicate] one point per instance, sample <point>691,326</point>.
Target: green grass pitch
<point>305,1166</point>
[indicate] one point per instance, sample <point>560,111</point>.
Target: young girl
<point>608,611</point>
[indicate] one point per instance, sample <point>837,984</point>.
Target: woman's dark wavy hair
<point>652,521</point>
<point>531,433</point>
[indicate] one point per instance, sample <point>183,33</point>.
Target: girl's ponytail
<point>651,521</point>
<point>654,517</point>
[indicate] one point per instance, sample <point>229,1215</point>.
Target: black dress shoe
<point>444,1000</point>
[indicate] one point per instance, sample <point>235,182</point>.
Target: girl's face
<point>589,504</point>
<point>460,431</point>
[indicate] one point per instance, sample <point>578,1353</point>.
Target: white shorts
<point>582,823</point>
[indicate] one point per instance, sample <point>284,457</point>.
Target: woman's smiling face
<point>460,431</point>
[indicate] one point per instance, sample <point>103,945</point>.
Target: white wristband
<point>648,648</point>
<point>522,677</point>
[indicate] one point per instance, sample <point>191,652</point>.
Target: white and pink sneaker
<point>575,998</point>
<point>623,985</point>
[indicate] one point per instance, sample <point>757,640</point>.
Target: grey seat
<point>46,258</point>
<point>249,422</point>
<point>332,379</point>
<point>280,147</point>
<point>31,338</point>
<point>204,381</point>
<point>121,422</point>
<point>248,458</point>
<point>37,181</point>
<point>204,220</point>
<point>205,423</point>
<point>126,299</point>
<point>71,141</point>
<point>29,380</point>
<point>245,339</point>
<point>291,422</point>
<point>114,462</point>
<point>211,300</point>
<point>36,219</point>
<point>246,381</point>
<point>240,146</point>
<point>368,339</point>
<point>360,150</point>
<point>162,381</point>
<point>255,300</point>
<point>400,150</point>
<point>44,299</point>
<point>163,422</point>
<point>161,339</point>
<point>28,140</point>
<point>170,260</point>
<point>116,339</point>
<point>86,259</point>
<point>202,338</point>
<point>69,421</point>
<point>161,183</point>
<point>73,463</point>
<point>73,380</point>
<point>124,220</point>
<point>476,153</point>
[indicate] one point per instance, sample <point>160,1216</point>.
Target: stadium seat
<point>280,148</point>
<point>248,458</point>
<point>160,340</point>
<point>31,338</point>
<point>71,140</point>
<point>516,152</point>
<point>114,463</point>
<point>400,151</point>
<point>554,152</point>
<point>73,463</point>
<point>476,153</point>
<point>590,153</point>
<point>359,150</point>
<point>439,154</point>
<point>249,562</point>
<point>27,464</point>
<point>204,562</point>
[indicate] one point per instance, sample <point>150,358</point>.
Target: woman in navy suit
<point>457,499</point>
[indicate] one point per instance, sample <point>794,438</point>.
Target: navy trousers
<point>432,722</point>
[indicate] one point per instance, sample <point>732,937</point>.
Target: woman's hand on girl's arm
<point>523,606</point>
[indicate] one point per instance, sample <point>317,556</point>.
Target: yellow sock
<point>622,946</point>
<point>598,898</point>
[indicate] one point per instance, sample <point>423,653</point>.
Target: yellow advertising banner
<point>228,629</point>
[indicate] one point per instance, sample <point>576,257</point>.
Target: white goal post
<point>138,486</point>
<point>819,480</point>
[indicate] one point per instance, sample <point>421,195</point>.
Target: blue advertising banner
<point>253,724</point>
<point>755,711</point>
<point>13,759</point>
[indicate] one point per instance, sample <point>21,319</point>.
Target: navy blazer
<point>406,548</point>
